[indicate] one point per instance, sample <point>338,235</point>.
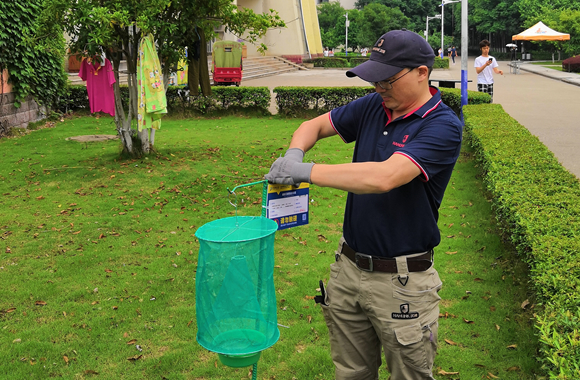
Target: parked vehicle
<point>227,63</point>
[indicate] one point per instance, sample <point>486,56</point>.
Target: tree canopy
<point>365,27</point>
<point>499,19</point>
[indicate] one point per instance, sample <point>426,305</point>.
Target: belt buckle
<point>357,255</point>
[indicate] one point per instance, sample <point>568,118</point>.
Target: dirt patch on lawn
<point>93,138</point>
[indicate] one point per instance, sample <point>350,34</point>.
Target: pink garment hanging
<point>100,81</point>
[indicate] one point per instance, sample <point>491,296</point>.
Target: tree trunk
<point>123,127</point>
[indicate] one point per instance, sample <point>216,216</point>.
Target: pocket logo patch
<point>405,313</point>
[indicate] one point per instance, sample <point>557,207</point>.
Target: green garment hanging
<point>198,73</point>
<point>152,100</point>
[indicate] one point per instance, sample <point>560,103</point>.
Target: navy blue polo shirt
<point>404,220</point>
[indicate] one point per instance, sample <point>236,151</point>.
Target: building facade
<point>298,41</point>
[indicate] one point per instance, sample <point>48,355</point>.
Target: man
<point>485,66</point>
<point>453,54</point>
<point>383,289</point>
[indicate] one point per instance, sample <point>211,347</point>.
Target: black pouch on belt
<point>320,299</point>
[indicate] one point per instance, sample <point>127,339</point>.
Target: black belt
<point>372,263</point>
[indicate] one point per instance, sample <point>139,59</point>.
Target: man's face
<point>485,50</point>
<point>403,92</point>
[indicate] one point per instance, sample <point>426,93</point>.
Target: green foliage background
<point>33,62</point>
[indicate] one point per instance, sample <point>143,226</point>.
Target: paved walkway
<point>543,100</point>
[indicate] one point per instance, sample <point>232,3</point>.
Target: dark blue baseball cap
<point>393,52</point>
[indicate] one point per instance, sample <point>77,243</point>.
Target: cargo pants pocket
<point>417,348</point>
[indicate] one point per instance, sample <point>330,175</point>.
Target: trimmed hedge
<point>441,63</point>
<point>314,101</point>
<point>357,61</point>
<point>178,99</point>
<point>537,203</point>
<point>330,62</point>
<point>222,99</point>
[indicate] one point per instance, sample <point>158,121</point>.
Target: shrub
<point>452,97</point>
<point>310,101</point>
<point>441,63</point>
<point>537,204</point>
<point>178,100</point>
<point>228,99</point>
<point>355,61</point>
<point>314,101</point>
<point>572,64</point>
<point>330,62</point>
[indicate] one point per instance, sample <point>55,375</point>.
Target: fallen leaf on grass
<point>132,341</point>
<point>492,308</point>
<point>108,271</point>
<point>516,368</point>
<point>309,319</point>
<point>468,321</point>
<point>40,303</point>
<point>513,346</point>
<point>479,365</point>
<point>65,359</point>
<point>445,373</point>
<point>12,309</point>
<point>91,372</point>
<point>8,250</point>
<point>492,375</point>
<point>497,327</point>
<point>477,279</point>
<point>451,253</point>
<point>525,303</point>
<point>448,341</point>
<point>135,358</point>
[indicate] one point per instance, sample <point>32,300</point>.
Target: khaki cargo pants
<point>365,311</point>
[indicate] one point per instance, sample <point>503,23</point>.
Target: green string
<point>264,195</point>
<point>255,371</point>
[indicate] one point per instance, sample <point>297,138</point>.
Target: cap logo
<point>381,42</point>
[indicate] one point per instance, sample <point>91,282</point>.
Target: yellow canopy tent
<point>540,32</point>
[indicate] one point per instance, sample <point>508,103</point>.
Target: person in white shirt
<point>485,66</point>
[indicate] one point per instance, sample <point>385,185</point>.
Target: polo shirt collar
<point>423,110</point>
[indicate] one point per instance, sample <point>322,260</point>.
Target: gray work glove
<point>295,154</point>
<point>288,170</point>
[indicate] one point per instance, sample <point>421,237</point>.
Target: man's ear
<point>423,72</point>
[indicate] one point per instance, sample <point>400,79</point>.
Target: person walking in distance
<point>383,288</point>
<point>453,54</point>
<point>485,66</point>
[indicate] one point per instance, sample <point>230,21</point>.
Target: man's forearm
<point>311,131</point>
<point>366,177</point>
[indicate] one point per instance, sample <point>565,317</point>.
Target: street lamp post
<point>442,5</point>
<point>427,26</point>
<point>464,42</point>
<point>346,41</point>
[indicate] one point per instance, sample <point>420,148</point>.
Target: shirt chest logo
<point>401,144</point>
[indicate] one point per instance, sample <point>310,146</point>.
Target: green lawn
<point>99,256</point>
